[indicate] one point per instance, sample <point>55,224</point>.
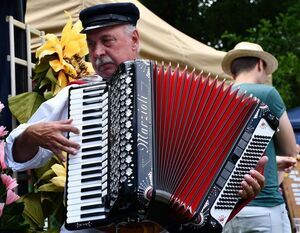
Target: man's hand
<point>48,135</point>
<point>285,163</point>
<point>254,182</point>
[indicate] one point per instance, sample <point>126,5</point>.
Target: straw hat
<point>247,49</point>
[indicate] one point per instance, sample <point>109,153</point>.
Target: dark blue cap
<point>104,15</point>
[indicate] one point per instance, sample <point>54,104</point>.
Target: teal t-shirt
<point>270,195</point>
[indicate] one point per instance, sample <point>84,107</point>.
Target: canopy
<point>159,41</point>
<point>294,115</point>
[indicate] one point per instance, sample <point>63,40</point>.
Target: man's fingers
<point>261,164</point>
<point>257,179</point>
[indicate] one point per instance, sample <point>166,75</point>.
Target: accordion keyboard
<point>87,170</point>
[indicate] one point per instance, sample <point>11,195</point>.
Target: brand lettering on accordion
<point>143,131</point>
<point>161,145</point>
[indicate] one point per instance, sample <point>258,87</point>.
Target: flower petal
<point>71,49</point>
<point>59,169</point>
<point>2,161</point>
<point>8,181</point>
<point>59,181</point>
<point>11,197</point>
<point>56,65</point>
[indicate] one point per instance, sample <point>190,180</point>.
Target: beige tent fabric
<point>159,40</point>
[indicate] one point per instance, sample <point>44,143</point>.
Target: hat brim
<point>269,59</point>
<point>98,26</point>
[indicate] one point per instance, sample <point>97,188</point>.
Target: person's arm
<point>30,144</point>
<point>48,135</point>
<point>285,139</point>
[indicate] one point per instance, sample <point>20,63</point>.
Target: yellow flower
<point>60,171</point>
<point>67,54</point>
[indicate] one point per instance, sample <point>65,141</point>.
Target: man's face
<point>110,46</point>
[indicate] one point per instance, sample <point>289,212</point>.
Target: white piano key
<point>81,194</point>
<point>78,201</point>
<point>78,219</point>
<point>78,213</point>
<point>80,177</point>
<point>74,187</point>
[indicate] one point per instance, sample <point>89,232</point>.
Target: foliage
<point>281,38</point>
<point>222,24</point>
<point>206,20</point>
<point>11,208</point>
<point>47,200</point>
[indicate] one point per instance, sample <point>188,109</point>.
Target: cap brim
<point>98,26</point>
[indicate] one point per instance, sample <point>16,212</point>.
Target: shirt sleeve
<point>51,110</point>
<point>276,103</point>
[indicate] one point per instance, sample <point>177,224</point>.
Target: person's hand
<point>49,135</point>
<point>285,163</point>
<point>254,182</point>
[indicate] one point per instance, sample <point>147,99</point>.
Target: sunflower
<point>61,61</point>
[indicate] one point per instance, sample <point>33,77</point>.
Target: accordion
<point>163,145</point>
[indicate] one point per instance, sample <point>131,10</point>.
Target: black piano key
<point>91,179</point>
<point>91,215</point>
<point>96,101</point>
<point>89,207</point>
<point>91,96</point>
<point>88,118</point>
<point>91,133</point>
<point>95,139</point>
<point>91,196</point>
<point>91,165</point>
<point>91,148</point>
<point>93,110</point>
<point>92,126</point>
<point>90,156</point>
<point>88,189</point>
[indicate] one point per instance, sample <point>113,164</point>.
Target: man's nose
<point>99,50</point>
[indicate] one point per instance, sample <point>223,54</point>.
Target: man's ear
<point>135,40</point>
<point>260,65</point>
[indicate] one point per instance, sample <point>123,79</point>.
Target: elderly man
<point>112,39</point>
<point>249,65</point>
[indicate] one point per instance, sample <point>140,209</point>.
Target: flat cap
<point>109,14</point>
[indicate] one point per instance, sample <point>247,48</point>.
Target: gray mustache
<point>102,60</point>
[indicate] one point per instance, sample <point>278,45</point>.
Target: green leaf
<point>33,209</point>
<point>43,65</point>
<point>12,219</point>
<point>51,76</point>
<point>23,106</point>
<point>46,176</point>
<point>44,82</point>
<point>48,95</point>
<point>50,188</point>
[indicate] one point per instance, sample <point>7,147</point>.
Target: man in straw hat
<point>249,65</point>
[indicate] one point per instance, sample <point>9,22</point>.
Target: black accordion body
<point>162,145</point>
